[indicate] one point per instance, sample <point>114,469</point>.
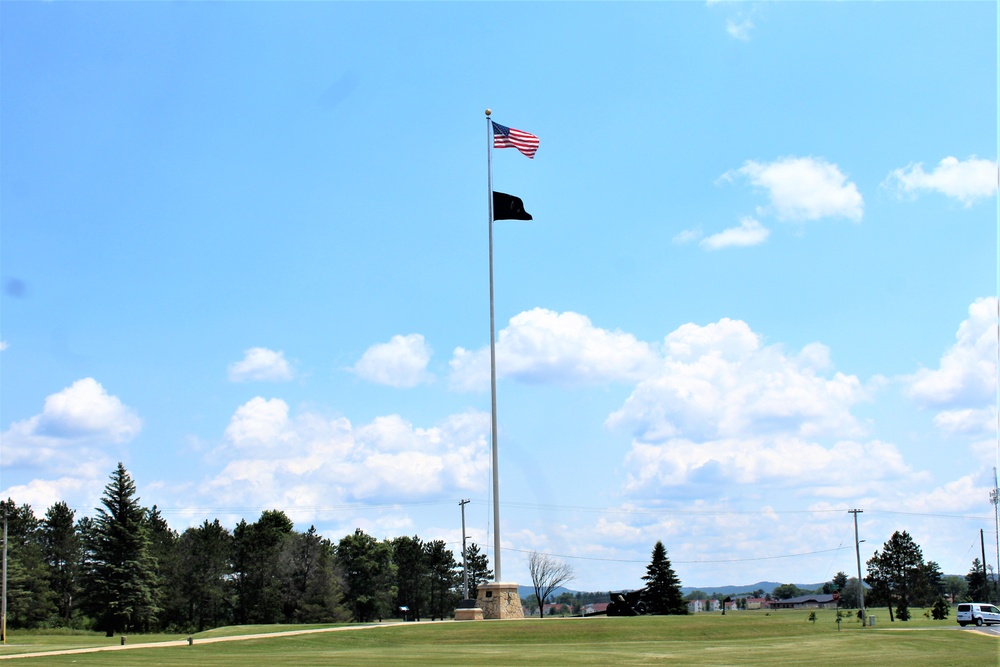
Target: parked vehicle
<point>980,613</point>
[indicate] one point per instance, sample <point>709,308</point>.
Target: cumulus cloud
<point>328,460</point>
<point>803,188</point>
<point>402,362</point>
<point>966,377</point>
<point>74,429</point>
<point>749,233</point>
<point>724,408</point>
<point>261,364</point>
<point>962,387</point>
<point>542,346</point>
<point>830,472</point>
<point>720,381</point>
<point>966,181</point>
<point>3,345</point>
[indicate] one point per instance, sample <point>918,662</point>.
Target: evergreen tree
<point>479,569</point>
<point>897,574</point>
<point>121,581</point>
<point>978,583</point>
<point>203,577</point>
<point>663,588</point>
<point>369,576</point>
<point>30,600</point>
<point>309,578</point>
<point>163,546</point>
<point>63,552</point>
<point>412,575</point>
<point>257,548</point>
<point>444,580</point>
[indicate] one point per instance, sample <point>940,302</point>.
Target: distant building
<point>758,603</point>
<point>595,608</point>
<point>814,601</point>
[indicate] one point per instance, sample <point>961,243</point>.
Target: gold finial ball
<point>488,112</point>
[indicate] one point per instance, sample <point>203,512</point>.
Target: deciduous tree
<point>547,573</point>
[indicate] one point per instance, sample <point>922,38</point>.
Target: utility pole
<point>857,552</point>
<point>995,499</point>
<point>465,563</point>
<point>3,610</point>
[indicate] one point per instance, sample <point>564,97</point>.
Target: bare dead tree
<point>547,573</point>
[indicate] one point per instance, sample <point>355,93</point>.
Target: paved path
<point>206,640</point>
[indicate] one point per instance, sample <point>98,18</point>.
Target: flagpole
<point>493,359</point>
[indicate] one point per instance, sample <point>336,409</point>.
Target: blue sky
<point>244,251</point>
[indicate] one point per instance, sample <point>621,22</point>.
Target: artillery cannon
<point>626,603</point>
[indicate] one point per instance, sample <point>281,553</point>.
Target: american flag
<point>508,137</point>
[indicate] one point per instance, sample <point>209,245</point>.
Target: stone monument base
<point>500,600</point>
<point>468,610</point>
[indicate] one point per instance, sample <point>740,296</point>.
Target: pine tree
<point>479,569</point>
<point>897,574</point>
<point>257,548</point>
<point>369,575</point>
<point>204,562</point>
<point>663,588</point>
<point>30,600</point>
<point>412,575</point>
<point>63,552</point>
<point>121,581</point>
<point>443,579</point>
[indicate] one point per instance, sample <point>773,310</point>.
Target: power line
<point>680,562</point>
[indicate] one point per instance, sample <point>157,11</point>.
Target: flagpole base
<point>500,600</point>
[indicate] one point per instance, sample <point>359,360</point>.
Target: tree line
<point>126,570</point>
<point>899,579</point>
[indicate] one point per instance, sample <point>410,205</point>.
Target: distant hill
<point>766,586</point>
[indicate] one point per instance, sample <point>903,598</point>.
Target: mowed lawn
<point>707,640</point>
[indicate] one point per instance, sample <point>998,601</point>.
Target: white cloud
<point>965,181</point>
<point>719,381</point>
<point>402,362</point>
<point>966,377</point>
<point>74,432</point>
<point>76,491</point>
<point>261,364</point>
<point>749,233</point>
<point>687,236</point>
<point>845,470</point>
<point>3,345</point>
<point>739,29</point>
<point>802,189</point>
<point>325,461</point>
<point>542,346</point>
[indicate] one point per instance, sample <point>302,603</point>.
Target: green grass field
<point>707,640</point>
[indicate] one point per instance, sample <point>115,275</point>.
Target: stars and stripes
<point>508,137</point>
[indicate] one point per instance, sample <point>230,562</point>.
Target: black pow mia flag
<point>508,207</point>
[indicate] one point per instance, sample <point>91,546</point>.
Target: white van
<point>980,613</point>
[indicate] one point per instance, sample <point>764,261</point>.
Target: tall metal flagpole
<point>493,359</point>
